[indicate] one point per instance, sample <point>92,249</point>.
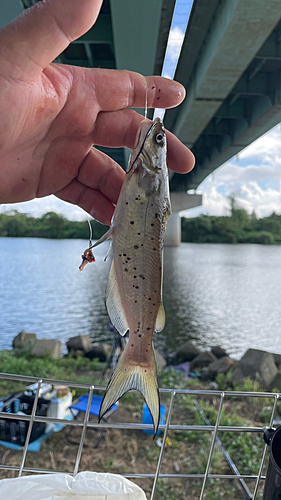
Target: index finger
<point>119,89</point>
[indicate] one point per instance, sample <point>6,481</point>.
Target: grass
<point>81,370</point>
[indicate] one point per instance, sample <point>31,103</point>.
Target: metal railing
<point>85,423</point>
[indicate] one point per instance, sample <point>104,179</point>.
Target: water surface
<point>215,294</point>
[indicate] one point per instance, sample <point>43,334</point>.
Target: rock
<point>79,343</point>
<point>23,340</point>
<point>47,347</point>
<point>160,361</point>
<point>218,351</point>
<point>203,359</point>
<point>257,363</point>
<point>222,365</point>
<point>277,359</point>
<point>187,351</point>
<point>100,351</point>
<point>276,382</point>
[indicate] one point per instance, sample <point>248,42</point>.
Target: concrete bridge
<point>230,65</point>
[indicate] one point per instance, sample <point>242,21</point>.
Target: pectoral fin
<point>161,319</point>
<point>114,303</point>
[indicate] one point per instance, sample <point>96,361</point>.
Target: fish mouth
<point>144,131</point>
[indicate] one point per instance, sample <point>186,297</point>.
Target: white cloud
<point>40,206</point>
<point>254,177</point>
<point>175,41</point>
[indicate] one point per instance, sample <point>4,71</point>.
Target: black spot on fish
<point>136,247</point>
<point>154,304</point>
<point>134,268</point>
<point>148,328</point>
<point>137,287</point>
<point>141,245</point>
<point>126,269</point>
<point>152,239</point>
<point>132,345</point>
<point>128,258</point>
<point>157,98</point>
<point>146,350</point>
<point>159,90</point>
<point>152,224</point>
<point>154,248</point>
<point>149,298</point>
<point>132,222</point>
<point>156,215</point>
<point>135,301</point>
<point>127,203</point>
<point>124,255</point>
<point>139,234</point>
<point>139,335</point>
<point>135,276</point>
<point>120,254</point>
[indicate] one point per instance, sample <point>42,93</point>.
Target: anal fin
<point>161,319</point>
<point>114,303</point>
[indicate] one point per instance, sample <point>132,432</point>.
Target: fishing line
<point>145,109</point>
<point>91,233</point>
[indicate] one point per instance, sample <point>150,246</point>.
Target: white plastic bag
<point>84,486</point>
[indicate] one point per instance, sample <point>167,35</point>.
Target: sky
<point>254,176</point>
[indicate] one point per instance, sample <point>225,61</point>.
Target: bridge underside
<point>231,67</point>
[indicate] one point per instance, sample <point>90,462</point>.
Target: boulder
<point>187,351</point>
<point>277,359</point>
<point>203,359</point>
<point>160,361</point>
<point>23,340</point>
<point>222,365</point>
<point>47,347</point>
<point>100,351</point>
<point>276,382</point>
<point>218,351</point>
<point>79,343</point>
<point>256,363</point>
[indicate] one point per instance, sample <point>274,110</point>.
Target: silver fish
<point>134,289</point>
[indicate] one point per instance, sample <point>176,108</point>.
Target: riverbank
<point>131,452</point>
<point>238,227</point>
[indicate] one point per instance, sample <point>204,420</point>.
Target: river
<point>228,295</point>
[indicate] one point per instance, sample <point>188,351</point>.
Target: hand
<point>52,114</point>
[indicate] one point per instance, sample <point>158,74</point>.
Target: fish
<point>134,288</point>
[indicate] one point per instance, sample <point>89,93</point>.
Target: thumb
<point>36,37</point>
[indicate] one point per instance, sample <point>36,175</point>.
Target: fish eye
<point>159,138</point>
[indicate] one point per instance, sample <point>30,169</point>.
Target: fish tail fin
<point>128,376</point>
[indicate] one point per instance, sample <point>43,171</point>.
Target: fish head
<point>150,150</point>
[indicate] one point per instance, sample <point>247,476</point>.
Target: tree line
<point>49,225</point>
<point>238,227</point>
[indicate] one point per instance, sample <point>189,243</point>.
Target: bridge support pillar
<point>180,201</point>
